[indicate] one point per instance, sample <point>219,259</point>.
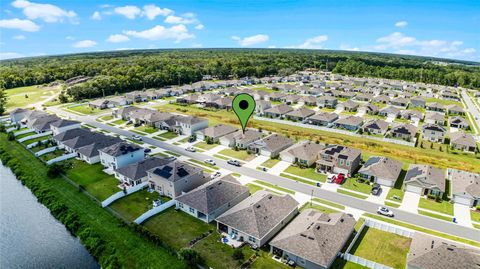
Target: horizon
<point>428,29</point>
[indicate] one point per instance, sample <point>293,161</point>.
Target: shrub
<point>54,170</point>
<point>11,136</point>
<point>191,257</point>
<point>238,254</point>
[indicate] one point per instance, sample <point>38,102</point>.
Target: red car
<point>339,179</point>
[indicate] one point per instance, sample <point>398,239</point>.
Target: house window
<point>348,163</point>
<point>192,210</point>
<point>180,205</point>
<point>252,239</point>
<point>234,231</point>
<point>341,162</point>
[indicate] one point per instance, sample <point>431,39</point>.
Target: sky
<point>440,28</point>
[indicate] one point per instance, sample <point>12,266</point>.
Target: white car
<point>330,178</point>
<point>216,174</point>
<point>191,149</point>
<point>385,211</point>
<point>210,161</point>
<point>136,137</point>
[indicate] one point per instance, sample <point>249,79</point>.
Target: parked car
<point>210,161</point>
<point>340,179</point>
<point>147,150</point>
<point>376,189</point>
<point>136,125</point>
<point>330,178</point>
<point>385,211</point>
<point>216,174</point>
<point>191,149</point>
<point>136,137</point>
<point>233,162</point>
<point>192,139</point>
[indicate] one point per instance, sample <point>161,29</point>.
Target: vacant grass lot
<point>85,109</point>
<point>309,173</point>
<point>26,96</point>
<point>241,154</point>
<point>441,207</point>
<point>135,204</point>
<point>372,147</point>
<point>204,145</point>
<point>93,179</point>
<point>386,248</point>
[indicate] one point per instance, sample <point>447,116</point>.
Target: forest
<point>123,71</point>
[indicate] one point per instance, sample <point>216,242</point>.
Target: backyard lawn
<point>52,155</point>
<point>386,248</point>
<point>177,229</point>
<point>24,135</point>
<point>135,204</point>
<point>265,261</point>
<point>441,207</point>
<point>354,185</point>
<point>240,154</point>
<point>309,173</point>
<point>270,163</point>
<point>93,179</point>
<point>204,145</point>
<point>33,140</point>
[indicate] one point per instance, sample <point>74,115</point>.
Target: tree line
<point>123,71</point>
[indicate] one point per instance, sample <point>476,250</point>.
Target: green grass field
<point>352,184</point>
<point>309,173</point>
<point>270,163</point>
<point>253,188</point>
<point>441,217</point>
<point>317,207</point>
<point>135,204</point>
<point>146,129</point>
<point>204,145</point>
<point>241,154</point>
<point>441,207</point>
<point>119,122</point>
<point>85,109</point>
<point>274,186</point>
<point>475,215</point>
<point>386,248</point>
<point>168,135</point>
<point>298,179</point>
<point>359,196</point>
<point>25,96</point>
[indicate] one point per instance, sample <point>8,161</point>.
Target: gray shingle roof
<point>120,148</point>
<point>382,167</point>
<point>139,170</point>
<point>69,134</point>
<point>316,237</point>
<point>426,176</point>
<point>465,183</point>
<point>259,213</point>
<point>92,149</point>
<point>176,170</point>
<point>63,123</point>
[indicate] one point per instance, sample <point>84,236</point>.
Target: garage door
<point>385,182</point>
<point>340,170</point>
<point>462,200</point>
<point>414,189</point>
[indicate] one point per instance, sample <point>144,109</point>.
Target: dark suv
<point>376,189</point>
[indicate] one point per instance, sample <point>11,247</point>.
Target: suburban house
<point>70,134</point>
<point>313,240</point>
<point>323,119</point>
<point>364,97</point>
<point>368,109</point>
<point>175,178</point>
<point>39,121</point>
<point>412,115</point>
<point>278,111</point>
<point>375,126</point>
<point>418,102</point>
<point>431,252</point>
<point>261,106</point>
<point>241,140</point>
<point>18,114</point>
<point>118,101</point>
<point>212,199</point>
<point>189,125</point>
<point>382,170</point>
<point>383,99</point>
<point>455,110</point>
<point>100,104</point>
<point>425,180</point>
<point>62,125</point>
<point>405,131</point>
<point>308,100</point>
<point>327,101</point>
<point>349,105</point>
<point>270,146</point>
<point>84,139</point>
<point>136,96</point>
<point>258,218</point>
<point>462,141</point>
<point>299,114</point>
<point>433,133</point>
<point>465,187</point>
<point>304,153</point>
<point>90,152</point>
<point>339,159</point>
<point>458,122</point>
<point>350,122</point>
<point>123,112</point>
<point>435,107</point>
<point>214,133</point>
<point>120,155</point>
<point>389,112</point>
<point>400,101</point>
<point>136,173</point>
<point>435,118</point>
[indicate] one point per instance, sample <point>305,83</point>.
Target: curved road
<point>416,219</point>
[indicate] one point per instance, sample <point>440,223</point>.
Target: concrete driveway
<point>410,202</point>
<point>462,214</point>
<point>279,168</point>
<point>256,162</point>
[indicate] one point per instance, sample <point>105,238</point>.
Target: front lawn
<point>309,173</point>
<point>359,196</point>
<point>176,228</point>
<point>168,135</point>
<point>354,185</point>
<point>253,188</point>
<point>135,204</point>
<point>298,179</point>
<point>441,207</point>
<point>475,215</point>
<point>105,118</point>
<point>386,248</point>
<point>318,207</point>
<point>395,192</point>
<point>240,154</point>
<point>118,122</point>
<point>93,179</point>
<point>204,145</point>
<point>432,215</point>
<point>146,129</point>
<point>270,163</point>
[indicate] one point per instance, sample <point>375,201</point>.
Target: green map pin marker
<point>243,105</point>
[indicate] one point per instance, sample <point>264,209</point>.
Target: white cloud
<point>251,40</point>
<point>24,25</point>
<point>70,37</point>
<point>130,12</point>
<point>344,46</point>
<point>152,11</point>
<point>400,43</point>
<point>117,38</point>
<point>187,18</point>
<point>96,16</point>
<point>312,43</point>
<point>401,24</point>
<point>85,44</point>
<point>10,55</point>
<point>159,32</point>
<point>46,12</point>
<point>19,37</point>
<point>199,27</point>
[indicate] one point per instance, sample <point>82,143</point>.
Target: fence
<point>121,194</point>
<point>45,151</point>
<point>20,132</point>
<point>386,227</point>
<point>364,262</point>
<point>154,211</point>
<point>34,136</point>
<point>61,158</point>
<point>332,130</point>
<point>34,144</point>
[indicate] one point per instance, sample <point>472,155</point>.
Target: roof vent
<point>258,206</point>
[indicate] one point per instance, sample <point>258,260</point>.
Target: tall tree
<point>3,99</point>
